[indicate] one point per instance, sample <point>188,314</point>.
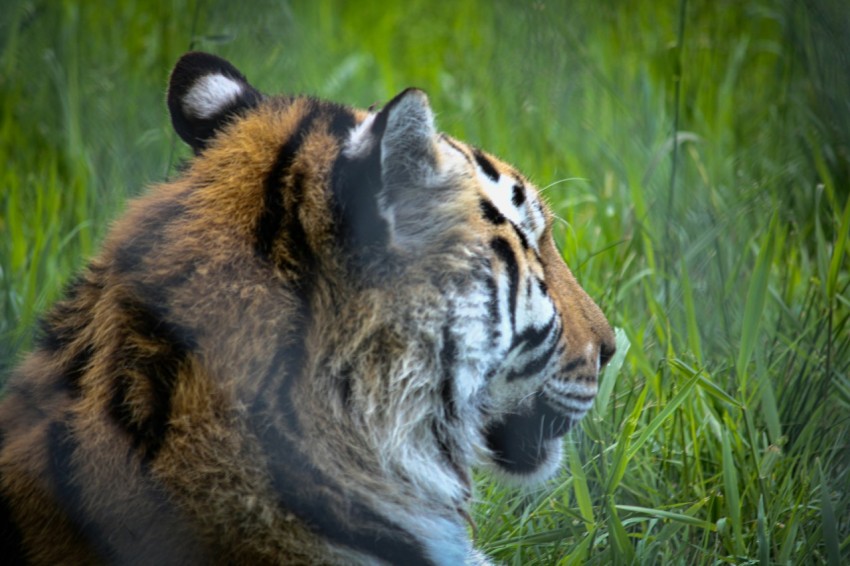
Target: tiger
<point>298,349</point>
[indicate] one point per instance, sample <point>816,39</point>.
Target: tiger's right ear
<point>204,92</point>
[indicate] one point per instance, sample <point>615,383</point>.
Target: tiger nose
<point>607,347</point>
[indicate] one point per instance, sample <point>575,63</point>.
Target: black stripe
<point>76,368</point>
<point>52,335</point>
<point>342,122</point>
<point>166,346</point>
<point>518,195</point>
<point>285,369</point>
<point>448,361</point>
<point>288,363</point>
<point>535,366</point>
<point>346,386</point>
<point>325,508</point>
<point>493,301</point>
<point>541,284</point>
<point>131,256</point>
<point>61,446</point>
<point>506,254</point>
<point>582,398</point>
<point>532,337</point>
<point>11,540</point>
<point>522,239</point>
<point>64,322</point>
<point>270,221</point>
<point>572,365</point>
<point>442,428</point>
<point>303,489</point>
<point>298,246</point>
<point>486,165</point>
<point>491,213</point>
<point>67,318</point>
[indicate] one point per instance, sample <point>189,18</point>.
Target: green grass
<point>722,431</point>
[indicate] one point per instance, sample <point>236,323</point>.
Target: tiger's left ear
<point>204,92</point>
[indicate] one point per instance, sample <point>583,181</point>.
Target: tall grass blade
<point>755,302</point>
<point>762,535</point>
<point>582,492</point>
<point>838,264</point>
<point>829,525</point>
<point>621,458</point>
<point>669,408</point>
<point>612,370</point>
<point>733,499</point>
<point>684,518</point>
<point>622,545</point>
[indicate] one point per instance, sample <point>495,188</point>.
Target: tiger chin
<point>295,352</point>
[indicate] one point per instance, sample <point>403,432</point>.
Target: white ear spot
<point>210,94</point>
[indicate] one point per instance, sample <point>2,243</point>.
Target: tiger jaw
<point>522,444</point>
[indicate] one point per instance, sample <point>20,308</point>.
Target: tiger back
<point>295,352</point>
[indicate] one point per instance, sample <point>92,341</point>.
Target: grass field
<point>722,430</point>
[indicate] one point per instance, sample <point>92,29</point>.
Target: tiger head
<point>442,320</point>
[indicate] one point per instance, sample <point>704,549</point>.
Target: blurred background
<point>698,152</point>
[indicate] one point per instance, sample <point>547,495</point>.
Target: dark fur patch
<point>356,184</point>
<point>492,302</point>
<point>286,366</point>
<point>536,365</point>
<point>166,348</point>
<point>62,325</point>
<point>521,235</point>
<point>517,441</point>
<point>532,337</point>
<point>77,367</point>
<point>448,361</point>
<point>518,196</point>
<point>491,213</point>
<point>486,165</point>
<point>11,539</point>
<point>270,222</point>
<point>302,488</point>
<point>505,253</point>
<point>541,284</point>
<point>132,255</point>
<point>310,495</point>
<point>342,122</point>
<point>573,364</point>
<point>69,495</point>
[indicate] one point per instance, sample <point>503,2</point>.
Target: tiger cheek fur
<point>296,351</point>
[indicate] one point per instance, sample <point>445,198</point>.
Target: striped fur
<point>296,352</point>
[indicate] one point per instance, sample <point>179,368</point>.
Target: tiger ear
<point>204,92</point>
<point>385,170</point>
<point>406,129</point>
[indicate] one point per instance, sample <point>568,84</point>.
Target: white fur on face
<point>210,94</point>
<point>528,216</point>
